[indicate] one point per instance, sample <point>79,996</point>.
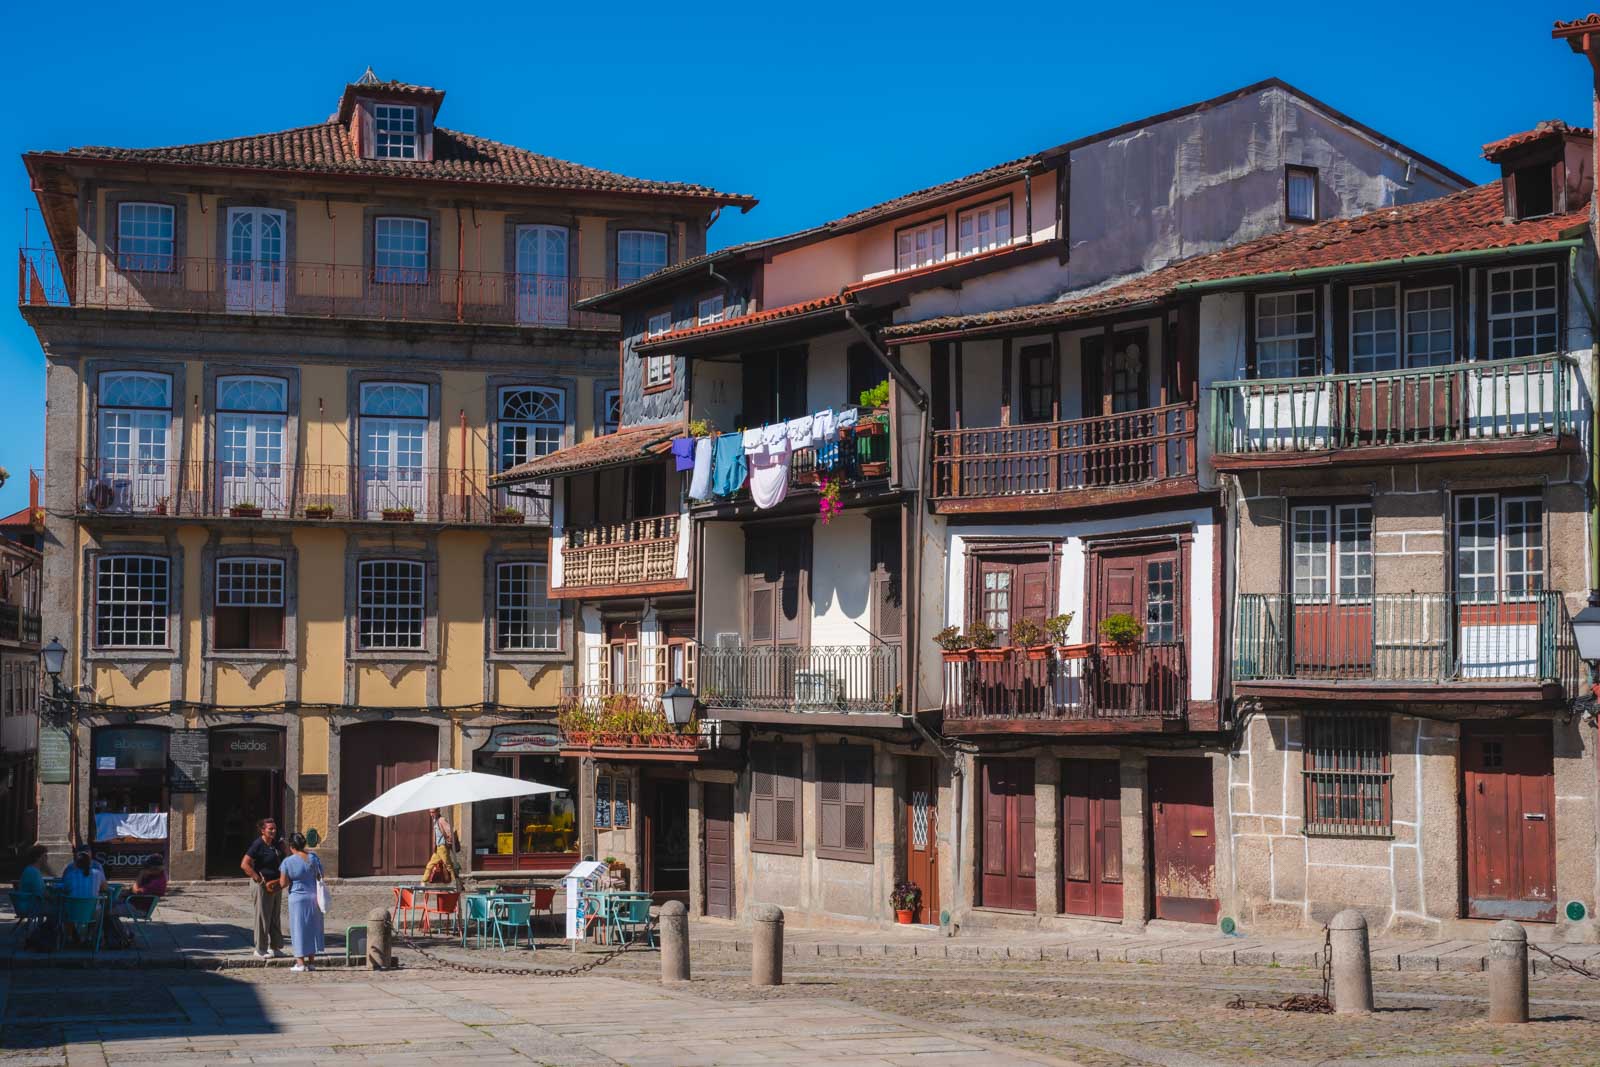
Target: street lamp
<point>1586,630</point>
<point>54,656</point>
<point>677,703</point>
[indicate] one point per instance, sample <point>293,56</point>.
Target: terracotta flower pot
<point>905,916</point>
<point>991,655</point>
<point>1039,651</point>
<point>956,655</point>
<point>503,519</point>
<point>1075,651</point>
<point>244,511</point>
<point>397,515</point>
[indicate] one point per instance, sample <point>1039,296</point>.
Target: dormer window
<point>394,128</point>
<point>1535,191</point>
<point>1544,171</point>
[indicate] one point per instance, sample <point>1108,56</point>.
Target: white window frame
<point>1367,323</point>
<point>389,620</point>
<point>1513,318</point>
<point>658,367</point>
<point>1268,310</point>
<point>1292,173</point>
<point>632,267</point>
<point>979,228</point>
<point>610,397</point>
<point>1335,567</point>
<point>153,627</point>
<point>711,310</point>
<point>395,264</point>
<point>396,131</point>
<point>520,589</point>
<point>921,245</point>
<point>1491,517</point>
<point>154,237</point>
<point>256,582</point>
<point>1428,309</point>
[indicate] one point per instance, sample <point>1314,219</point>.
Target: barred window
<point>524,620</point>
<point>1347,776</point>
<point>249,609</point>
<point>391,604</point>
<point>394,130</point>
<point>145,237</point>
<point>775,797</point>
<point>130,608</point>
<point>844,802</point>
<point>400,251</point>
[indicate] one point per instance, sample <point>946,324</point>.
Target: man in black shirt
<point>261,862</point>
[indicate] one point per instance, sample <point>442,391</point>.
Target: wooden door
<point>922,831</point>
<point>717,805</point>
<point>1116,384</point>
<point>1508,787</point>
<point>375,757</point>
<point>1006,792</point>
<point>666,839</point>
<point>1147,584</point>
<point>1183,839</point>
<point>1091,838</point>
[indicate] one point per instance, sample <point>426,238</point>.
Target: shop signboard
<point>584,878</point>
<point>507,740</point>
<point>122,859</point>
<point>55,755</point>
<point>188,761</point>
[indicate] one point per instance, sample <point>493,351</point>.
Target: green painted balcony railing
<point>1463,403</point>
<point>1481,636</point>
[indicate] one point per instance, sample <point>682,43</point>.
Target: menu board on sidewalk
<point>189,761</point>
<point>55,755</point>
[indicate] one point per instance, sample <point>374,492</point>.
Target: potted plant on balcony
<point>982,638</point>
<point>507,516</point>
<point>319,511</point>
<point>1122,633</point>
<point>161,506</point>
<point>245,509</point>
<point>1029,636</point>
<point>1058,628</point>
<point>400,514</point>
<point>956,645</point>
<point>875,399</point>
<point>906,901</point>
<point>702,427</point>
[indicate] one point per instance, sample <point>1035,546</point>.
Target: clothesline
<point>723,463</point>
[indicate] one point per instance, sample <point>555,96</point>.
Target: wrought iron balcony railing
<point>1147,681</point>
<point>1056,457</point>
<point>625,716</point>
<point>19,625</point>
<point>326,492</point>
<point>324,290</point>
<point>621,553</point>
<point>1481,636</point>
<point>1463,403</point>
<point>801,679</point>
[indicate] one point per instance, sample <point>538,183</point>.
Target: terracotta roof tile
<point>608,450</point>
<point>1550,129</point>
<point>1471,220</point>
<point>324,148</point>
<point>788,311</point>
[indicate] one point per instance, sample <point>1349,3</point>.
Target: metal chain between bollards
<point>531,972</point>
<point>1306,1002</point>
<point>1564,963</point>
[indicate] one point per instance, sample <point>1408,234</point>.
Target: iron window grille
<point>391,606</point>
<point>1347,776</point>
<point>131,597</point>
<point>524,620</point>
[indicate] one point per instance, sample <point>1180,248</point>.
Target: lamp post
<point>677,704</point>
<point>60,713</point>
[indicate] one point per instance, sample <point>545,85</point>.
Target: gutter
<point>1377,264</point>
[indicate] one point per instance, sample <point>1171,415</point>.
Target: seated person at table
<point>151,883</point>
<point>84,878</point>
<point>31,880</point>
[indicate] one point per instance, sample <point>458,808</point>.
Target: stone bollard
<point>766,949</point>
<point>1352,964</point>
<point>1508,973</point>
<point>380,956</point>
<point>674,942</point>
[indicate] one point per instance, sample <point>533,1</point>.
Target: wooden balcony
<point>1414,647</point>
<point>626,722</point>
<point>819,683</point>
<point>300,492</point>
<point>319,290</point>
<point>634,558</point>
<point>1106,690</point>
<point>1517,406</point>
<point>1048,466</point>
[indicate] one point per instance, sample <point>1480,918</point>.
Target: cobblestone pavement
<point>852,1010</point>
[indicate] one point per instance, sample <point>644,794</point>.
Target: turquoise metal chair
<point>477,917</point>
<point>80,914</point>
<point>512,915</point>
<point>141,910</point>
<point>630,914</point>
<point>29,910</point>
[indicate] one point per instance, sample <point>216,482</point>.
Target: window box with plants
<point>983,638</point>
<point>1057,629</point>
<point>956,646</point>
<point>1030,637</point>
<point>406,514</point>
<point>906,901</point>
<point>319,511</point>
<point>507,516</point>
<point>245,510</point>
<point>872,420</point>
<point>1121,634</point>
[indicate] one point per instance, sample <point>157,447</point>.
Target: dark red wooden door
<point>1147,585</point>
<point>1008,859</point>
<point>717,802</point>
<point>1508,772</point>
<point>375,757</point>
<point>1183,838</point>
<point>922,828</point>
<point>1091,838</point>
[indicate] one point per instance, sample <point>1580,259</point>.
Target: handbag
<point>323,900</point>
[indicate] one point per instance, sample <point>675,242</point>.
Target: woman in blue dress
<point>299,874</point>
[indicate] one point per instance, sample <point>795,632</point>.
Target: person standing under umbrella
<point>261,862</point>
<point>441,867</point>
<point>299,874</point>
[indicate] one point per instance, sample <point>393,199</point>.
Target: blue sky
<point>816,109</point>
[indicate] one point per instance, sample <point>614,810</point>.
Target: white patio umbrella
<point>442,788</point>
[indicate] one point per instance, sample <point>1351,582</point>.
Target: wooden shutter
<point>886,595</point>
<point>1092,352</point>
<point>1030,585</point>
<point>763,795</point>
<point>994,820</point>
<point>775,798</point>
<point>777,591</point>
<point>844,802</point>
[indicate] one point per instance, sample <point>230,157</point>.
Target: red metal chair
<point>406,910</point>
<point>441,904</point>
